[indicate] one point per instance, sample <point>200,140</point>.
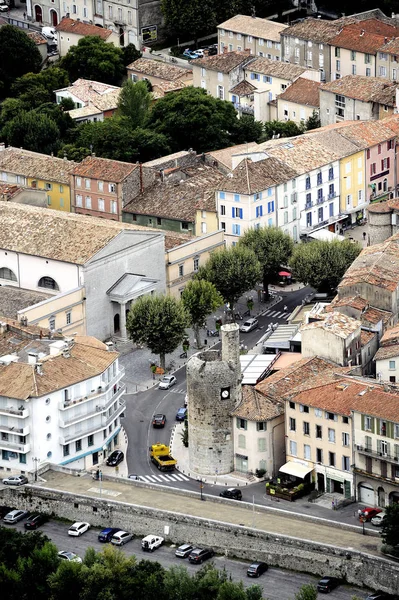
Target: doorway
<point>320,483</point>
<point>116,323</point>
<point>38,14</point>
<point>95,458</point>
<point>381,497</point>
<point>53,18</point>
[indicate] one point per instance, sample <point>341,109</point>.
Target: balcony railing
<point>20,413</point>
<point>100,407</point>
<point>15,430</point>
<point>321,199</point>
<point>364,450</point>
<point>104,422</point>
<point>308,204</point>
<point>14,446</point>
<point>332,195</point>
<point>101,389</point>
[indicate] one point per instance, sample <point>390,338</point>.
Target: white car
<point>249,325</point>
<point>4,7</point>
<point>69,556</point>
<point>167,381</point>
<point>49,33</point>
<point>121,537</point>
<point>78,529</point>
<point>377,520</point>
<point>151,542</point>
<point>14,516</point>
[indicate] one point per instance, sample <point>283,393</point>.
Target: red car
<point>368,513</point>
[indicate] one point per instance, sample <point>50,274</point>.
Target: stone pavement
<point>268,519</point>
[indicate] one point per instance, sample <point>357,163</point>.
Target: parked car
<point>115,458</point>
<point>249,325</point>
<point>181,414</point>
<point>151,542</point>
<point>381,596</point>
<point>167,381</point>
<point>200,53</point>
<point>257,569</point>
<point>35,520</point>
<point>50,34</point>
<point>106,534</point>
<point>121,537</point>
<point>71,556</point>
<point>378,519</point>
<point>212,50</point>
<point>14,516</point>
<point>198,555</point>
<point>4,8</point>
<point>78,529</point>
<point>368,513</point>
<point>15,480</point>
<point>327,584</point>
<point>159,421</point>
<point>184,550</point>
<point>190,54</point>
<point>134,477</point>
<point>232,493</point>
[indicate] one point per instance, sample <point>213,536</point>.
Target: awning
<point>296,469</point>
<point>285,274</point>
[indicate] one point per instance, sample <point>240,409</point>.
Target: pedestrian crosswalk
<point>163,478</point>
<point>277,314</point>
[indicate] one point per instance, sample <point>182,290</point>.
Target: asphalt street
<point>286,582</point>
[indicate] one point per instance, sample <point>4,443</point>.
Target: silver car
<point>121,537</point>
<point>70,556</point>
<point>184,551</point>
<point>14,516</point>
<point>249,325</point>
<point>166,382</point>
<point>15,480</point>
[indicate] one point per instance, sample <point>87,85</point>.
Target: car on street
<point>70,556</point>
<point>198,555</point>
<point>78,529</point>
<point>35,520</point>
<point>327,584</point>
<point>151,542</point>
<point>15,480</point>
<point>232,493</point>
<point>115,458</point>
<point>381,596</point>
<point>184,550</point>
<point>249,325</point>
<point>256,569</point>
<point>368,513</point>
<point>134,477</point>
<point>158,421</point>
<point>120,538</point>
<point>378,519</point>
<point>14,516</point>
<point>181,414</point>
<point>190,54</point>
<point>4,8</point>
<point>199,52</point>
<point>106,534</point>
<point>167,382</point>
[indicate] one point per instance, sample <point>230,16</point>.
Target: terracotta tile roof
<point>244,88</point>
<point>391,47</point>
<point>389,344</point>
<point>225,156</point>
<point>275,68</point>
<point>303,153</point>
<point>55,234</point>
<point>374,315</point>
<point>94,93</point>
<point>333,138</point>
<point>13,299</point>
<point>335,323</point>
<point>387,352</point>
<point>253,177</point>
<point>380,207</point>
<point>8,190</point>
<point>35,165</point>
<point>356,302</point>
<point>366,337</point>
<point>366,133</point>
<point>302,91</point>
<point>162,87</point>
<point>71,26</point>
<point>371,25</point>
<point>19,380</point>
<point>390,336</point>
<point>85,111</point>
<point>179,201</point>
<point>36,37</point>
<point>172,240</point>
<point>260,28</point>
<point>354,37</point>
<point>104,169</point>
<point>156,68</point>
<point>367,89</point>
<point>225,62</point>
<point>377,265</point>
<point>392,123</point>
<point>374,403</point>
<point>316,30</point>
<point>254,406</point>
<point>394,204</point>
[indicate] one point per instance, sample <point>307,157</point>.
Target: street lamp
<point>36,461</point>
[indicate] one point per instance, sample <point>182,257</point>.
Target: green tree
<point>313,122</point>
<point>233,271</point>
<point>130,54</point>
<point>200,298</point>
<point>92,58</point>
<point>272,248</point>
<point>307,592</point>
<point>72,152</point>
<point>230,590</point>
<point>189,18</point>
<point>178,584</point>
<point>66,125</point>
<point>390,526</point>
<point>254,592</point>
<point>67,581</point>
<point>247,130</point>
<point>36,570</point>
<point>322,264</point>
<point>32,131</point>
<point>159,322</point>
<point>18,55</point>
<point>10,108</point>
<point>283,128</point>
<point>134,102</point>
<point>191,118</point>
<point>50,79</point>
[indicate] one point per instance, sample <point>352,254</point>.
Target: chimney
<point>32,357</point>
<point>362,33</point>
<point>39,369</point>
<point>110,346</point>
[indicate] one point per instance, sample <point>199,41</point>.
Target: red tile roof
<point>104,169</point>
<point>71,26</point>
<point>302,91</point>
<point>355,37</point>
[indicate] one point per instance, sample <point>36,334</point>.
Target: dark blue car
<point>106,534</point>
<point>181,414</point>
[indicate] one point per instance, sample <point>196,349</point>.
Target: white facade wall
<point>288,209</point>
<point>388,369</point>
<point>262,443</point>
<point>321,208</point>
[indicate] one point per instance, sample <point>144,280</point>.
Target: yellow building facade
<point>58,195</point>
<point>352,185</point>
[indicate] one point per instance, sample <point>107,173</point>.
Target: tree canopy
<point>189,18</point>
<point>92,58</point>
<point>390,527</point>
<point>159,322</point>
<point>134,102</point>
<point>200,298</point>
<point>272,248</point>
<point>18,55</point>
<point>233,271</point>
<point>281,128</point>
<point>32,131</point>
<point>322,264</point>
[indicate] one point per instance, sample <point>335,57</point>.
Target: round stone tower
<point>380,222</point>
<point>214,389</point>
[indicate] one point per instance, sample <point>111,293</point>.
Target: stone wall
<point>380,228</point>
<point>233,541</point>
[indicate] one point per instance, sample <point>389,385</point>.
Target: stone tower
<point>214,389</point>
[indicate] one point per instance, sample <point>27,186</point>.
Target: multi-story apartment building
<point>388,60</point>
<point>70,31</point>
<point>299,101</point>
<point>387,356</point>
<point>260,36</point>
<point>60,402</point>
<point>220,73</point>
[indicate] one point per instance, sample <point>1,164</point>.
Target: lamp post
<point>201,488</point>
<point>36,461</point>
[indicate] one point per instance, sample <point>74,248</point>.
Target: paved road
<point>286,582</point>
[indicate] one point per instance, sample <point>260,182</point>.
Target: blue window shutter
<point>240,213</point>
<point>252,75</point>
<point>273,206</point>
<point>260,196</point>
<point>261,211</point>
<point>257,211</point>
<point>238,229</point>
<point>233,212</point>
<point>222,195</point>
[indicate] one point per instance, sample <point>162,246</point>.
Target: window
<point>68,316</point>
<point>90,440</point>
<point>101,205</point>
<point>236,197</point>
<point>181,270</point>
<point>345,463</point>
<point>308,203</point>
<point>78,182</point>
<point>293,448</point>
<point>331,435</point>
<point>353,69</point>
<point>368,72</point>
<point>303,408</point>
<point>270,207</point>
<point>220,92</point>
<point>319,432</point>
<point>345,439</point>
<point>292,424</point>
<point>87,184</point>
<point>367,423</point>
<point>353,55</point>
<point>319,455</point>
<point>110,12</point>
<point>222,209</point>
<point>306,452</point>
<point>331,416</point>
<point>261,426</point>
<point>6,273</point>
<point>241,423</point>
<point>236,213</point>
<point>66,450</point>
<point>382,71</point>
<point>51,323</point>
<point>112,188</point>
<point>331,459</point>
<point>114,209</point>
<point>318,412</point>
<point>259,211</point>
<point>345,420</point>
<point>337,52</point>
<point>78,445</point>
<point>306,428</point>
<point>184,225</point>
<point>261,445</point>
<point>367,59</point>
<point>241,441</point>
<point>292,405</point>
<point>88,202</point>
<point>196,264</point>
<point>48,283</point>
<point>100,186</point>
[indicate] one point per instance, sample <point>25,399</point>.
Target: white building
<point>387,357</point>
<point>93,100</point>
<point>60,402</point>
